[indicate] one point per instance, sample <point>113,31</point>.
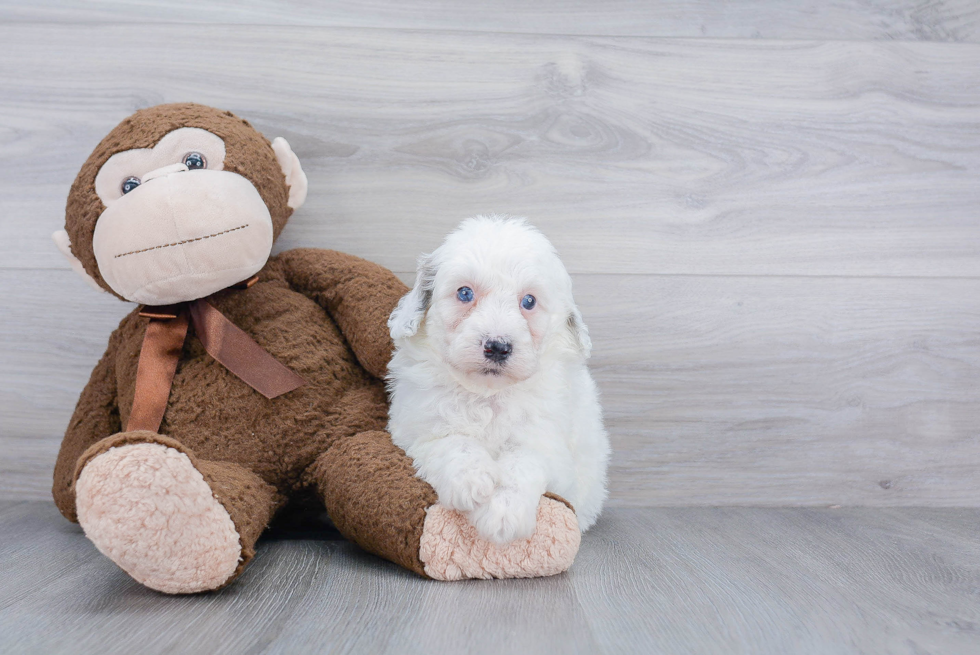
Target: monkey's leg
<point>173,522</point>
<point>373,497</point>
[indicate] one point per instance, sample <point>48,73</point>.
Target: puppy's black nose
<point>497,351</point>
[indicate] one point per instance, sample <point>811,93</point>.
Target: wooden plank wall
<point>774,232</point>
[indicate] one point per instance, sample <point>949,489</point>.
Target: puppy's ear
<point>579,332</point>
<point>408,315</point>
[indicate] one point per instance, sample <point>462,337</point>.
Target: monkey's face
<point>176,225</point>
<point>189,215</point>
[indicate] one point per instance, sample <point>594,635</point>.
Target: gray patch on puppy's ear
<point>580,332</point>
<point>410,311</point>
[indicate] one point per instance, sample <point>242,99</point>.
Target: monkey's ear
<point>295,177</point>
<point>64,245</point>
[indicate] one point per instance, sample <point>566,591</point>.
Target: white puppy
<point>490,394</point>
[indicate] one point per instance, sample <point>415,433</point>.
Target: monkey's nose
<point>164,170</point>
<point>497,350</point>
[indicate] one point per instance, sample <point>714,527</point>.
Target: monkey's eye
<point>528,302</point>
<point>195,161</point>
<point>129,184</point>
<point>465,294</point>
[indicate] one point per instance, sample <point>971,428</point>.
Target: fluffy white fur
<point>492,437</point>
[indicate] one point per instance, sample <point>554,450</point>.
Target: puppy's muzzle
<point>496,350</point>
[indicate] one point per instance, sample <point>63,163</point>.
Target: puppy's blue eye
<point>528,302</point>
<point>129,184</point>
<point>465,294</point>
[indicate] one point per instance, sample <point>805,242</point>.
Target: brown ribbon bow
<point>222,339</point>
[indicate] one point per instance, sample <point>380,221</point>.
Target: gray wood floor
<point>667,580</point>
<point>774,235</point>
<point>916,20</point>
<point>771,212</point>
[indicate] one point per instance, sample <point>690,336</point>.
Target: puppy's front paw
<point>507,516</point>
<point>470,488</point>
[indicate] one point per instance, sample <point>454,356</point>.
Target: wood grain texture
<point>717,390</point>
<point>635,155</point>
<point>920,20</point>
<point>899,581</point>
<point>775,391</point>
<point>776,243</point>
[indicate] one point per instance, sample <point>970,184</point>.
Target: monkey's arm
<point>96,416</point>
<point>359,295</point>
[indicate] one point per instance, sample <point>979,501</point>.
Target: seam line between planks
<point>417,30</point>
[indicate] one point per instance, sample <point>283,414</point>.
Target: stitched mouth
<point>180,243</point>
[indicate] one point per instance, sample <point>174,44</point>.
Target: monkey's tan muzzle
<point>183,235</point>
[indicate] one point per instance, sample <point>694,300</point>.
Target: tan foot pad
<point>450,548</point>
<point>150,511</point>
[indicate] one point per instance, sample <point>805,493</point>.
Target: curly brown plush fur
<point>281,446</point>
<point>321,313</point>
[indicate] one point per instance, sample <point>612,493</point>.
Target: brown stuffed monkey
<point>244,381</point>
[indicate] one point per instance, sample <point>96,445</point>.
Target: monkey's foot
<point>451,549</point>
<point>150,511</point>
